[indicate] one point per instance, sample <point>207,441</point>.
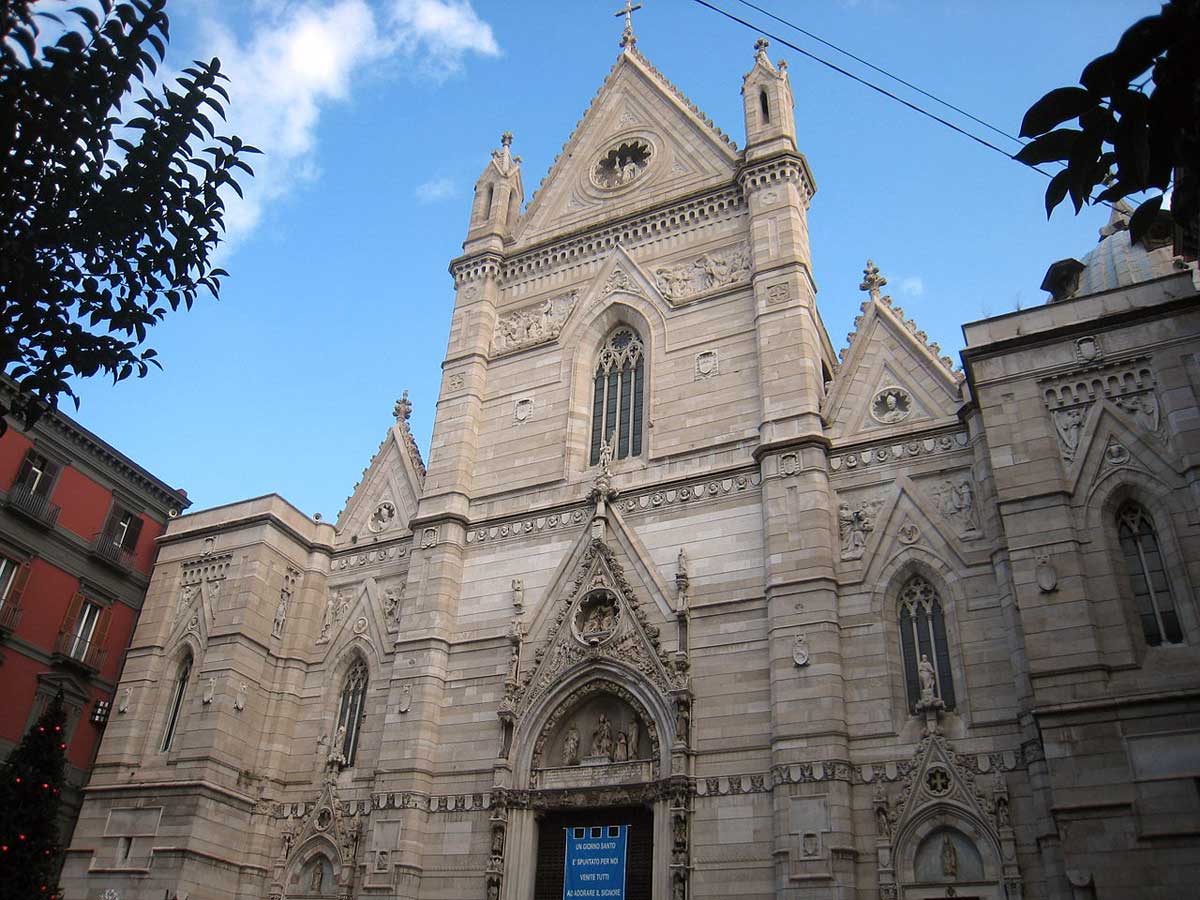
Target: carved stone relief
<point>705,273</point>
<point>1069,423</point>
<point>393,598</point>
<point>955,499</point>
<point>800,652</point>
<point>1129,385</point>
<point>429,538</point>
<point>855,522</point>
<point>522,410</point>
<point>532,325</point>
<point>337,606</point>
<point>598,725</point>
<point>290,577</point>
<point>707,365</point>
<point>891,405</point>
<point>779,293</point>
<point>619,281</point>
<point>621,165</point>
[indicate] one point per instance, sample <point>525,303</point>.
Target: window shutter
<point>132,534</point>
<point>72,615</point>
<point>25,473</point>
<point>100,632</point>
<point>18,586</point>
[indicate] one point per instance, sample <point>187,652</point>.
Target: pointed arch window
<point>923,635</point>
<point>1148,577</point>
<point>178,691</point>
<point>351,710</point>
<point>618,407</point>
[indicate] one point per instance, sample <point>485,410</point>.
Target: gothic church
<point>794,623</point>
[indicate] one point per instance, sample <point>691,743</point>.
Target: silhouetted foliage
<point>109,192</point>
<point>1129,140</point>
<point>30,792</point>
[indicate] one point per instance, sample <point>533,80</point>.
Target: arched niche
<point>600,729</point>
<point>312,874</point>
<point>948,847</point>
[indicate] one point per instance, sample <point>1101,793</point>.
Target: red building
<point>78,523</point>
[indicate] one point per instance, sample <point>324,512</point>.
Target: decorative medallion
<point>891,405</point>
<point>909,533</point>
<point>1046,576</point>
<point>384,515</point>
<point>937,781</point>
<point>1088,349</point>
<point>523,410</point>
<point>324,818</point>
<point>800,653</point>
<point>622,165</point>
<point>596,619</point>
<point>707,364</point>
<point>1115,453</point>
<point>360,625</point>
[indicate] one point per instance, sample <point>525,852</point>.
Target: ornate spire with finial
<point>872,280</point>
<point>627,38</point>
<point>403,409</point>
<point>503,157</point>
<point>760,50</point>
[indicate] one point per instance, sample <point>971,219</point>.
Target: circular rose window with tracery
<point>622,165</point>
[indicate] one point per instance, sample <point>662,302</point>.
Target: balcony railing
<point>36,507</point>
<point>106,546</point>
<point>72,649</point>
<point>10,615</point>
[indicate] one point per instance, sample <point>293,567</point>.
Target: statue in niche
<point>1069,422</point>
<point>493,889</point>
<point>327,620</point>
<point>681,723</point>
<point>288,837</point>
<point>621,751</point>
<point>679,832</point>
<point>606,457</point>
<point>949,857</point>
<point>854,526</point>
<point>883,828</point>
<point>317,882</point>
<point>678,889</point>
<point>498,841</point>
<point>596,619</point>
<point>392,599</point>
<point>518,593</point>
<point>635,734</point>
<point>602,740</point>
<point>571,747</point>
<point>928,678</point>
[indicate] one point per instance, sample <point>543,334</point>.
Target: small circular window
<point>622,164</point>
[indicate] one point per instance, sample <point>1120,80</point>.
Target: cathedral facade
<point>683,587</point>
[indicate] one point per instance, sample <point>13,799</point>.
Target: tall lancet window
<point>350,710</point>
<point>178,691</point>
<point>923,637</point>
<point>1148,577</point>
<point>618,405</point>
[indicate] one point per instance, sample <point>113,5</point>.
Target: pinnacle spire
<point>872,280</point>
<point>628,40</point>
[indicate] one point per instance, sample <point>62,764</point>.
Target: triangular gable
<point>938,776</point>
<point>385,499</point>
<point>1112,439</point>
<point>688,153</point>
<point>592,612</point>
<point>352,613</point>
<point>888,357</point>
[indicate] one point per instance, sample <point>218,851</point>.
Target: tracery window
<point>618,405</point>
<point>177,695</point>
<point>923,636</point>
<point>1148,577</point>
<point>351,710</point>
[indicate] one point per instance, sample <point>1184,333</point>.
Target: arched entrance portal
<point>592,765</point>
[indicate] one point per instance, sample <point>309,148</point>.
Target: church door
<point>552,846</point>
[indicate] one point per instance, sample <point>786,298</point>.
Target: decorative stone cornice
<point>467,269</point>
<point>886,452</point>
<point>595,243</point>
<point>784,169</point>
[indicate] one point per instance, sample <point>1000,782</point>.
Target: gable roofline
<point>631,56</point>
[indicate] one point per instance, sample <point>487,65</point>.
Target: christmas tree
<point>30,788</point>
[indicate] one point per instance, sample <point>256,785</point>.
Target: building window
<point>177,695</point>
<point>84,630</point>
<point>36,474</point>
<point>8,579</point>
<point>1148,577</point>
<point>122,529</point>
<point>350,710</point>
<point>923,636</point>
<point>617,404</point>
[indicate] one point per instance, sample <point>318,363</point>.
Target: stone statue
<point>621,752</point>
<point>317,882</point>
<point>239,700</point>
<point>209,692</point>
<point>635,735</point>
<point>602,742</point>
<point>681,723</point>
<point>928,677</point>
<point>854,525</point>
<point>336,757</point>
<point>280,613</point>
<point>678,889</point>
<point>570,751</point>
<point>497,842</point>
<point>679,832</point>
<point>949,858</point>
<point>606,457</point>
<point>882,827</point>
<point>518,593</point>
<point>493,889</point>
<point>1002,818</point>
<point>126,699</point>
<point>327,621</point>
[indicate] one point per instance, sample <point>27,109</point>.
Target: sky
<point>376,117</point>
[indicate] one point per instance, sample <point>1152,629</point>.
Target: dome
<point>1115,262</point>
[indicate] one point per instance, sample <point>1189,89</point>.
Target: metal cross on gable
<point>627,38</point>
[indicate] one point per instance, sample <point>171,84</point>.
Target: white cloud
<point>436,189</point>
<point>289,61</point>
<point>912,285</point>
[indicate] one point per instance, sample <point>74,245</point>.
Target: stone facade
<point>857,627</point>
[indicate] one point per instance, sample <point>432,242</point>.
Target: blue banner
<point>595,864</point>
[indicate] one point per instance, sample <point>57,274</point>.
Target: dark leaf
<point>1054,145</point>
<point>1055,108</point>
<point>1143,217</point>
<point>1056,191</point>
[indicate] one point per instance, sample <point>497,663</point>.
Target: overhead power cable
<point>883,71</point>
<point>914,107</point>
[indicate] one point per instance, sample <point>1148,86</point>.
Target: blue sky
<point>377,116</point>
